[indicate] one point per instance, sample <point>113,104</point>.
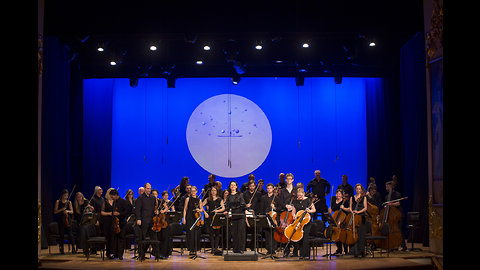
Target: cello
<point>349,235</point>
<point>294,231</point>
<point>286,218</point>
<point>390,217</point>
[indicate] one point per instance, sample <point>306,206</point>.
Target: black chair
<point>316,238</point>
<point>413,223</point>
<point>94,241</point>
<point>129,238</point>
<point>178,235</point>
<point>145,243</point>
<point>53,236</point>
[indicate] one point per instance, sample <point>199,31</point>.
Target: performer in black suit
<point>144,212</point>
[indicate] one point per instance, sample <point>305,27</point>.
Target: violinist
<point>192,206</point>
<point>236,205</point>
<point>63,207</point>
<point>358,206</point>
<point>339,204</point>
<point>144,212</point>
<point>80,205</point>
<point>114,213</point>
<point>180,191</point>
<point>269,203</point>
<point>213,204</point>
<point>303,203</point>
<point>163,236</point>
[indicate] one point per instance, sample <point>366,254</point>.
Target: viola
<point>159,220</point>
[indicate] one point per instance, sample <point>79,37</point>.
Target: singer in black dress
<point>236,205</point>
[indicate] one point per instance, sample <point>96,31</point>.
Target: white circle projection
<point>229,135</point>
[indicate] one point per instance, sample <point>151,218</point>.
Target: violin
<point>116,221</point>
<point>285,219</point>
<point>159,221</point>
<point>272,213</point>
<point>294,231</point>
<point>198,214</point>
<point>66,217</point>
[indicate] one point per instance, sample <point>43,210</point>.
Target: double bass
<point>390,216</point>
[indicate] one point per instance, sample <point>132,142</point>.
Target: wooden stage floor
<point>395,260</point>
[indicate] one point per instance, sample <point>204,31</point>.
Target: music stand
<point>219,219</point>
<point>266,221</point>
<point>331,222</point>
<point>255,231</point>
<point>173,217</point>
<point>194,226</point>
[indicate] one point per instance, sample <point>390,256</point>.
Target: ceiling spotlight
<point>206,48</point>
<point>305,45</point>
<point>236,79</point>
<point>258,47</point>
<point>100,49</point>
<point>278,61</point>
<point>199,62</point>
<point>113,63</point>
<point>153,48</point>
<point>371,44</point>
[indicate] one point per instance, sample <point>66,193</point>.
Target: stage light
<point>113,63</point>
<point>371,44</point>
<point>206,48</point>
<point>100,49</point>
<point>305,45</point>
<point>153,48</point>
<point>278,61</point>
<point>199,62</point>
<point>258,47</point>
<point>236,79</point>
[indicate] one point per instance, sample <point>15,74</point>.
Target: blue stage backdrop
<point>263,126</point>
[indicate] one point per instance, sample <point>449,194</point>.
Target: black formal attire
<point>236,204</point>
<point>284,198</point>
<point>359,247</point>
<point>335,207</point>
<point>256,200</point>
<point>303,244</point>
<point>97,203</point>
<point>265,207</point>
<point>194,234</point>
<point>77,216</point>
<point>376,199</point>
<point>163,236</point>
<point>395,196</point>
<point>319,188</point>
<point>207,188</point>
<point>144,211</point>
<point>214,234</point>
<point>347,189</point>
<point>63,228</point>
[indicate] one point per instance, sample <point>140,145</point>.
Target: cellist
<point>339,204</point>
<point>390,185</point>
<point>303,203</point>
<point>358,206</point>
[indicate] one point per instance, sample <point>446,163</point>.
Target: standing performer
<point>97,202</point>
<point>286,196</point>
<point>114,214</point>
<point>269,202</point>
<point>390,187</point>
<point>358,206</point>
<point>214,204</point>
<point>163,236</point>
<point>339,204</point>
<point>303,203</point>
<point>193,207</point>
<point>252,199</point>
<point>321,188</point>
<point>236,205</point>
<point>144,212</point>
<point>208,186</point>
<point>63,207</point>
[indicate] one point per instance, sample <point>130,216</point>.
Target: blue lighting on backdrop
<point>321,125</point>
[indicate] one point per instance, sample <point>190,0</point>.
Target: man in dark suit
<point>144,212</point>
<point>321,188</point>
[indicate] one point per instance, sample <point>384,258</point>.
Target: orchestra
<point>289,209</point>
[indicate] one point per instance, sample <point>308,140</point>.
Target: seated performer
<point>338,203</point>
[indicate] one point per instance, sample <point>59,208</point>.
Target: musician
<point>338,203</point>
<point>144,212</point>
<point>321,188</point>
<point>281,184</point>
<point>347,188</point>
<point>252,200</point>
<point>79,206</point>
<point>285,197</point>
<point>213,204</point>
<point>236,204</point>
<point>181,201</point>
<point>373,196</point>
<point>209,185</point>
<point>130,225</point>
<point>268,204</point>
<point>358,206</point>
<point>244,187</point>
<point>303,203</point>
<point>114,207</point>
<point>141,190</point>
<point>192,206</point>
<point>390,186</point>
<point>260,189</point>
<point>97,202</point>
<point>163,236</point>
<point>180,191</point>
<point>63,208</point>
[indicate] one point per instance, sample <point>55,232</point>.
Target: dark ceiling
<point>338,33</point>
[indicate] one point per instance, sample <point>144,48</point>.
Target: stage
<point>395,260</point>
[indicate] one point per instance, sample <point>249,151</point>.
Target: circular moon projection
<point>229,135</point>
